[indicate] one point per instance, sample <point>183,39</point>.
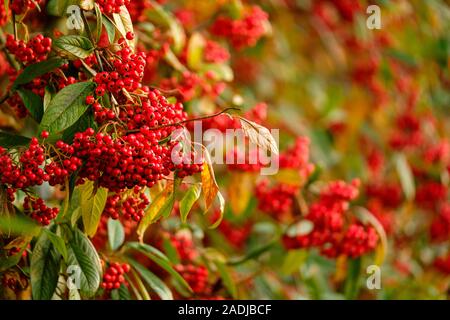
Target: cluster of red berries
<point>113,277</point>
<point>4,14</point>
<point>236,234</point>
<point>384,215</point>
<point>137,8</point>
<point>35,50</point>
<point>215,53</point>
<point>195,276</point>
<point>60,169</point>
<point>134,160</point>
<point>184,245</point>
<point>430,194</point>
<point>275,200</point>
<point>130,206</point>
<point>297,157</point>
<point>244,32</point>
<point>89,61</point>
<point>330,233</point>
<point>443,264</point>
<point>408,132</point>
<point>389,194</point>
<point>21,6</point>
<point>128,73</point>
<point>154,111</point>
<point>111,6</point>
<point>438,153</point>
<point>440,226</point>
<point>190,85</point>
<point>28,172</point>
<point>36,208</point>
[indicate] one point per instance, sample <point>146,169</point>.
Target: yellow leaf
<point>154,212</point>
<point>239,191</point>
<point>92,204</point>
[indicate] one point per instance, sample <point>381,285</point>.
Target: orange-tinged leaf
<point>239,191</point>
<point>209,184</point>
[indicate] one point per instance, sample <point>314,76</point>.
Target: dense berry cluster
<point>28,171</point>
<point>389,194</point>
<point>184,245</point>
<point>36,209</point>
<point>275,200</point>
<point>111,6</point>
<point>129,206</point>
<point>297,157</point>
<point>35,50</point>
<point>21,6</point>
<point>236,234</point>
<point>330,232</point>
<point>244,32</point>
<point>440,226</point>
<point>215,53</point>
<point>113,277</point>
<point>128,72</point>
<point>430,194</point>
<point>443,264</point>
<point>195,276</point>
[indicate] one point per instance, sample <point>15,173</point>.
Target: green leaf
<point>44,269</point>
<point>9,140</point>
<point>293,260</point>
<point>58,7</point>
<point>160,16</point>
<point>74,46</point>
<point>156,284</point>
<point>48,96</point>
<point>33,103</point>
<point>82,253</point>
<point>195,51</point>
<point>405,175</point>
<point>110,29</point>
<point>253,254</point>
<point>116,234</point>
<point>92,204</point>
<point>121,294</point>
<point>98,15</point>
<point>161,260</point>
<point>188,201</point>
<point>58,243</point>
<point>219,71</point>
<point>226,278</point>
<point>66,107</point>
<point>36,70</point>
<point>161,206</point>
<point>18,225</point>
<point>351,283</point>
